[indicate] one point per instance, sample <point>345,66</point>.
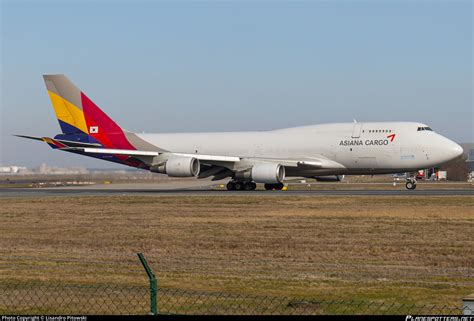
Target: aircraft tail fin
<point>78,116</point>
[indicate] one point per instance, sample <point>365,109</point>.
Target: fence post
<point>468,305</point>
<point>153,284</point>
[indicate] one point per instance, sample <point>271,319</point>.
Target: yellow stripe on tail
<point>68,113</point>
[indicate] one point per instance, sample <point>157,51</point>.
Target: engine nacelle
<point>179,167</point>
<point>268,173</point>
<point>330,178</point>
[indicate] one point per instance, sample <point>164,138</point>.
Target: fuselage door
<point>356,130</point>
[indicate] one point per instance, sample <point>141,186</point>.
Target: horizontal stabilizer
<point>30,137</point>
<point>60,143</point>
<point>50,141</point>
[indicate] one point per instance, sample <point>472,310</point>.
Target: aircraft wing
<point>303,162</point>
<point>240,162</point>
<point>111,151</point>
<point>221,167</point>
<point>310,162</point>
<point>211,158</point>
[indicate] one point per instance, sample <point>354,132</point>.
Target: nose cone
<point>455,150</point>
<point>441,149</point>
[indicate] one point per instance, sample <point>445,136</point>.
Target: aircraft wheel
<point>253,186</point>
<point>239,186</point>
<point>410,185</point>
<point>276,187</point>
<point>231,186</point>
<point>279,186</point>
<point>248,186</point>
<point>268,187</point>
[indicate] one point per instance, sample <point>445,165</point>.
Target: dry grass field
<point>406,249</point>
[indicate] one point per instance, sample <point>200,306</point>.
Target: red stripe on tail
<point>102,128</point>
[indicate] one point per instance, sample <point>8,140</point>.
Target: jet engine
<point>178,167</point>
<point>268,173</point>
<point>330,178</point>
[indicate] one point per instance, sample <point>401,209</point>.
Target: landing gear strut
<point>241,186</point>
<point>411,183</point>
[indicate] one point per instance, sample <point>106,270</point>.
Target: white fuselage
<point>361,148</point>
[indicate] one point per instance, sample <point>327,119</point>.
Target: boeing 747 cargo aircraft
<point>324,152</point>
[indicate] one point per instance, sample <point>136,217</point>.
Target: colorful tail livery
<point>80,119</point>
<point>87,130</point>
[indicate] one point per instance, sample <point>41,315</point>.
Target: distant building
<point>51,170</point>
<point>469,153</point>
<point>13,170</point>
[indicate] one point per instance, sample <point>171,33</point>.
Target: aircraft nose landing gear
<point>411,183</point>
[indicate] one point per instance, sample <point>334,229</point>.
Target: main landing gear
<point>411,183</point>
<point>251,186</point>
<point>276,187</point>
<point>241,186</point>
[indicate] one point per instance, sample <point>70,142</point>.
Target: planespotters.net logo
<point>438,318</point>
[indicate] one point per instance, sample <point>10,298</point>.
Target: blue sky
<point>176,66</point>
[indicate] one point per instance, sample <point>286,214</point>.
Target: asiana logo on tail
<point>367,142</point>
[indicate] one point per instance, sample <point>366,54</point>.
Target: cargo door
<point>368,163</point>
<point>356,130</point>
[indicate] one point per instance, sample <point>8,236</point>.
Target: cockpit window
<point>424,128</point>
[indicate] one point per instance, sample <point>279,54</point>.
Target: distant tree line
<point>457,169</point>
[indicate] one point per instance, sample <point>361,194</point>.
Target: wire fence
<point>173,301</point>
<point>47,298</point>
